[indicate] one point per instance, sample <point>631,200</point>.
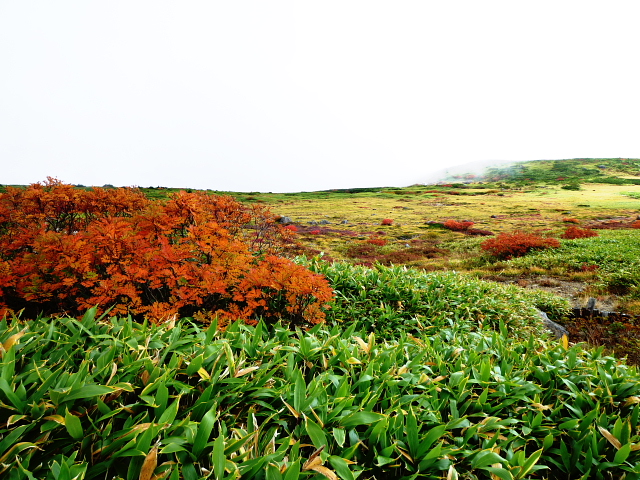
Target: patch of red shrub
<point>570,220</point>
<point>456,226</point>
<point>576,232</point>
<point>380,242</point>
<point>64,249</point>
<point>517,244</point>
<point>386,221</point>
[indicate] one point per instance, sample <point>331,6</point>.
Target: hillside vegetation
<point>391,333</point>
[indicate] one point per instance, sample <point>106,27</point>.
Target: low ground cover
<point>423,372</point>
<point>93,399</point>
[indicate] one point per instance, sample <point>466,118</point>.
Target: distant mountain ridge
<point>578,170</point>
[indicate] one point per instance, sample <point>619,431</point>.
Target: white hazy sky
<point>300,95</point>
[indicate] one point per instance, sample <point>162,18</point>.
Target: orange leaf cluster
<point>64,249</point>
<point>517,244</point>
<point>576,232</point>
<point>456,226</point>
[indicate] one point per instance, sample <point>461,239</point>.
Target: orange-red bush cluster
<point>374,240</point>
<point>516,244</point>
<point>456,226</point>
<point>64,250</point>
<point>570,220</point>
<point>576,232</point>
<point>636,224</point>
<point>386,221</point>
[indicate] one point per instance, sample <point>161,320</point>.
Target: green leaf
<point>204,432</point>
<point>341,467</point>
<point>169,415</point>
<point>412,433</point>
<point>293,471</point>
<point>486,457</point>
<point>622,454</point>
<point>316,434</point>
<point>88,391</point>
<point>218,458</point>
<point>73,425</point>
<point>530,462</point>
<point>299,391</point>
<point>502,473</point>
<point>361,418</point>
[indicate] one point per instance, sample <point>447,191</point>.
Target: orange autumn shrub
<point>516,244</point>
<point>456,226</point>
<point>65,250</point>
<point>576,232</point>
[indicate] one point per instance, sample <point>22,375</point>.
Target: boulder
<point>555,328</point>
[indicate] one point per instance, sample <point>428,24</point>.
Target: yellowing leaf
<point>631,401</point>
<point>314,459</point>
<point>353,361</point>
<point>293,411</point>
<point>244,371</point>
<point>12,340</point>
<point>149,465</point>
<point>204,374</point>
<point>326,472</point>
<point>541,407</point>
<point>363,344</point>
<point>609,436</point>
<point>565,342</point>
<point>55,418</point>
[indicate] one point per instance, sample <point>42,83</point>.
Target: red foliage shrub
<point>386,221</point>
<point>586,267</point>
<point>570,220</point>
<point>381,242</point>
<point>516,244</point>
<point>65,250</point>
<point>636,224</point>
<point>291,228</point>
<point>457,226</point>
<point>315,232</point>
<point>577,232</point>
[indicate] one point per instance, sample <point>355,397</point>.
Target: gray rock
<point>591,304</point>
<point>285,220</point>
<point>555,328</point>
<point>325,222</point>
<point>344,222</point>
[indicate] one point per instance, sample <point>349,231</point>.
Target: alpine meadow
<point>484,327</point>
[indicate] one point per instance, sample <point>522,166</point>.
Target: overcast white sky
<point>298,95</point>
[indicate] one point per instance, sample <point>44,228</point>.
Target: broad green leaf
<point>499,472</point>
<point>529,464</point>
<point>272,473</point>
<point>218,458</point>
<point>299,391</point>
<point>315,433</point>
<point>169,415</point>
<point>204,432</point>
<point>293,471</point>
<point>361,418</point>
<point>341,467</point>
<point>485,458</point>
<point>88,391</point>
<point>412,433</point>
<point>73,425</point>
<point>622,454</point>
